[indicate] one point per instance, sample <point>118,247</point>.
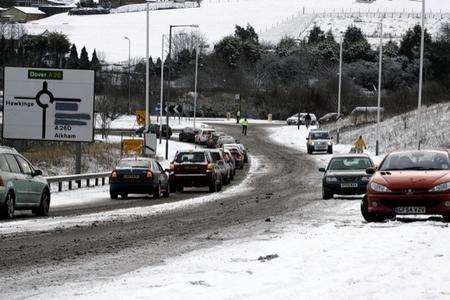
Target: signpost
<point>140,117</point>
<point>174,109</point>
<point>48,104</point>
<point>150,142</point>
<point>132,146</point>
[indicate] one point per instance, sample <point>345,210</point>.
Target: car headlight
<point>312,143</point>
<point>331,179</point>
<point>365,178</point>
<point>330,143</point>
<point>379,188</point>
<point>441,187</point>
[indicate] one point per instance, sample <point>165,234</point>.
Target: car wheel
<point>113,196</point>
<point>180,188</point>
<point>166,193</point>
<point>309,150</point>
<point>212,187</point>
<point>326,195</point>
<point>330,150</point>
<point>157,192</point>
<point>44,206</point>
<point>9,206</point>
<point>446,218</point>
<point>370,217</point>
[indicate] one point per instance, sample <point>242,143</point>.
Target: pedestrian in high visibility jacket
<point>360,145</point>
<point>244,123</point>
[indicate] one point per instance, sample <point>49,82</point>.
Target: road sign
<point>150,144</point>
<point>48,104</point>
<point>140,117</point>
<point>132,146</point>
<point>174,109</point>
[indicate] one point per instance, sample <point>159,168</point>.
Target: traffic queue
<point>212,166</point>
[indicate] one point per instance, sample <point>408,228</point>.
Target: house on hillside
<point>366,114</point>
<point>23,14</point>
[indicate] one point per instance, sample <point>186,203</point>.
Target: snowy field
<point>216,19</point>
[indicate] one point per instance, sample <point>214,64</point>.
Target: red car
<point>409,183</point>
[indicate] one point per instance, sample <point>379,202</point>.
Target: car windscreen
<point>227,140</point>
<point>133,163</point>
<point>319,135</point>
<point>190,157</point>
<point>216,156</point>
<point>416,160</point>
<point>349,163</point>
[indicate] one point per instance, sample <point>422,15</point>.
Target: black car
<point>139,175</point>
<point>154,128</point>
<point>346,175</point>
<point>188,135</point>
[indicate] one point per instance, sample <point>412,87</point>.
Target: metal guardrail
<point>98,178</point>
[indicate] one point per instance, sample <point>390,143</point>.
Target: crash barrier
<point>95,178</point>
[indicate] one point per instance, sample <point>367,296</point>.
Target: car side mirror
<point>37,173</point>
<point>371,171</point>
<point>322,170</point>
<point>307,139</point>
<point>167,170</point>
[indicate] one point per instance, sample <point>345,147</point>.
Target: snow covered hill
<point>216,18</point>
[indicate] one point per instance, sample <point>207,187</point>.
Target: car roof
<point>425,150</point>
<point>137,158</point>
<point>319,131</point>
<point>351,155</point>
<point>5,149</point>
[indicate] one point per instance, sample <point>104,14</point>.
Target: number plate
<point>349,185</point>
<point>131,176</point>
<point>410,210</point>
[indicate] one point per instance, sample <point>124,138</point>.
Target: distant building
<point>23,14</point>
<point>366,114</point>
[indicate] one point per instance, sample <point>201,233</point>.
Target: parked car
<point>244,151</point>
<point>319,141</point>
<point>154,128</point>
<point>212,141</point>
<point>139,175</point>
<point>330,117</point>
<point>23,186</point>
<point>346,175</point>
<point>237,155</point>
<point>293,120</point>
<point>409,183</point>
<point>188,135</point>
<point>203,136</point>
<point>226,139</point>
<point>229,158</point>
<point>195,168</point>
<point>224,167</point>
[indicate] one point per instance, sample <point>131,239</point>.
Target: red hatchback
<point>409,183</point>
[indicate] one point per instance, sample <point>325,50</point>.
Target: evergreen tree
<point>356,46</point>
<point>72,62</point>
<point>316,35</point>
<point>95,63</point>
<point>410,44</point>
<point>84,60</point>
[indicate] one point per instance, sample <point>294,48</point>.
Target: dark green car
<point>22,187</point>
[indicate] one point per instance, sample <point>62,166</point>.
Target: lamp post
<point>197,53</point>
<point>169,78</point>
<point>129,74</point>
<point>419,104</point>
<point>380,70</point>
<point>162,89</point>
<point>341,47</point>
<point>147,65</point>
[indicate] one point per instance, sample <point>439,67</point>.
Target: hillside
<point>216,18</point>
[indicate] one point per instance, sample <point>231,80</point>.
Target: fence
<point>98,178</point>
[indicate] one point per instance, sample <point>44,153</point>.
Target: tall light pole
<point>129,74</point>
<point>195,84</point>
<point>169,78</point>
<point>341,47</point>
<point>162,89</point>
<point>147,65</point>
<point>380,70</point>
<point>422,50</point>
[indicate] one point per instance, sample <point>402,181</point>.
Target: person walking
<point>244,126</point>
<point>307,120</point>
<point>360,145</point>
<point>238,116</point>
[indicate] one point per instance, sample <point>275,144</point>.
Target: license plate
<point>190,167</point>
<point>131,176</point>
<point>410,210</point>
<point>349,185</point>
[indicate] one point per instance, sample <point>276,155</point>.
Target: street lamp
<point>422,50</point>
<point>341,47</point>
<point>162,89</point>
<point>147,65</point>
<point>129,74</point>
<point>197,52</point>
<point>169,79</point>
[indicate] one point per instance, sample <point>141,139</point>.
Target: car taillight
<point>113,175</point>
<point>210,167</point>
<point>172,167</point>
<point>1,182</point>
<point>149,174</point>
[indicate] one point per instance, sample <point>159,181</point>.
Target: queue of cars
<point>211,167</point>
<point>411,182</point>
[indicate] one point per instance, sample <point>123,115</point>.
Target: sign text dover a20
<point>48,104</point>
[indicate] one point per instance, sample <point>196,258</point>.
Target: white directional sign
<point>151,144</point>
<point>48,104</point>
